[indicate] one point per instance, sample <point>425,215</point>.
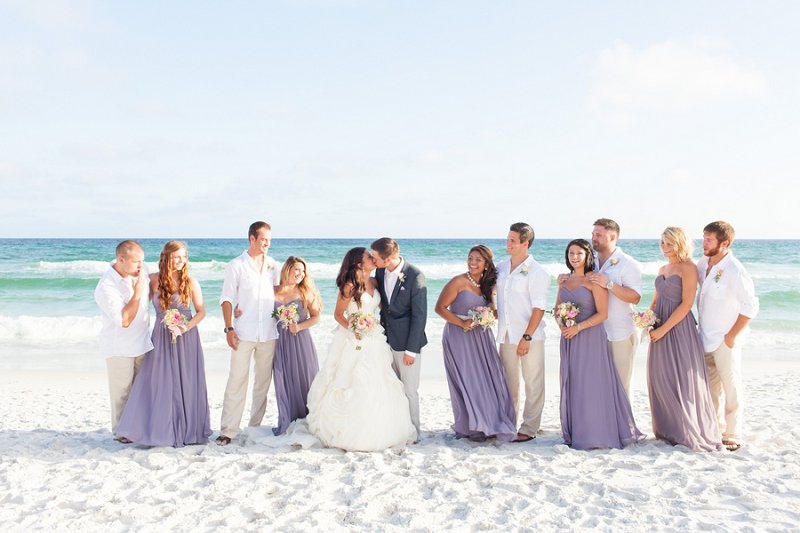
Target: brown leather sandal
<point>222,440</point>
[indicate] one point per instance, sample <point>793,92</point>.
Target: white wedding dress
<point>356,401</point>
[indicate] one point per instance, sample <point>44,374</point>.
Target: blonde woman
<point>677,378</point>
<point>168,404</point>
<point>296,362</point>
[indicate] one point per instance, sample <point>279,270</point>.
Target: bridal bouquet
<point>566,312</point>
<point>172,319</point>
<point>481,316</point>
<point>646,319</point>
<point>287,314</point>
<point>362,324</point>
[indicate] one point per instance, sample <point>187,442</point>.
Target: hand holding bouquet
<point>361,324</point>
<point>646,319</point>
<point>173,320</point>
<point>481,316</point>
<point>566,313</point>
<point>287,314</point>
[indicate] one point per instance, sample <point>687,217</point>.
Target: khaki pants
<point>236,389</point>
<point>623,353</point>
<point>725,380</point>
<point>409,375</point>
<point>121,373</point>
<point>531,366</point>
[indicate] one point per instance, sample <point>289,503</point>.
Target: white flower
<point>718,276</point>
<point>614,261</point>
<point>524,270</point>
<point>401,277</point>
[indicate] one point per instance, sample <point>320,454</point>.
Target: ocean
<point>48,318</point>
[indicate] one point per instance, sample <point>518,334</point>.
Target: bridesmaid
<point>296,362</point>
<point>479,392</point>
<point>677,378</point>
<point>168,403</point>
<point>595,411</point>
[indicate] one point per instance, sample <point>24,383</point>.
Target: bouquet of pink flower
<point>482,316</point>
<point>362,324</point>
<point>287,314</point>
<point>566,312</point>
<point>172,319</point>
<point>646,319</point>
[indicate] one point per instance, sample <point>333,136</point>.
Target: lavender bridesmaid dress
<point>595,411</point>
<point>294,369</point>
<point>677,378</point>
<point>478,386</point>
<point>168,404</point>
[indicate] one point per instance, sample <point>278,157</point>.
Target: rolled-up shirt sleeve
<point>110,302</point>
<point>229,285</point>
<point>632,276</point>
<point>537,289</point>
<point>746,294</point>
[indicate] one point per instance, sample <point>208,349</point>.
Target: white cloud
<point>670,76</point>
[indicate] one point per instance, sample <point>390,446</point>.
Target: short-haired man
<point>522,286</point>
<point>122,295</point>
<point>404,311</point>
<point>249,285</point>
<point>726,303</point>
<point>622,276</point>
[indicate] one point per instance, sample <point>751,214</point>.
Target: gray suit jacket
<point>404,318</point>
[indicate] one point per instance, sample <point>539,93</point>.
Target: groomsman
<point>726,303</point>
<point>404,311</point>
<point>521,300</point>
<point>622,276</point>
<point>249,284</point>
<point>123,297</point>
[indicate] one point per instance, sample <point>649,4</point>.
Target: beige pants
<point>531,366</point>
<point>236,390</point>
<point>121,373</point>
<point>409,375</point>
<point>623,353</point>
<point>725,380</point>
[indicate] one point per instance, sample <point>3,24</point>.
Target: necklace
<point>474,284</point>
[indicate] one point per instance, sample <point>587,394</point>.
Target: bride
<point>356,401</point>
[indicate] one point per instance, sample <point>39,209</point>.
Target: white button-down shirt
<point>253,290</point>
<point>112,294</point>
<point>518,294</point>
<point>725,293</point>
<point>625,271</point>
<point>390,280</point>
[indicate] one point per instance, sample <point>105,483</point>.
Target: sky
<point>412,119</point>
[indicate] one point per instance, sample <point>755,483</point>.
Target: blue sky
<point>413,119</point>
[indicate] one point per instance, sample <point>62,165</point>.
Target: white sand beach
<point>61,470</point>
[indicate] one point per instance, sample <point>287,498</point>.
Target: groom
<point>404,309</point>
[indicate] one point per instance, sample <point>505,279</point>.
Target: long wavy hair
<point>348,273</point>
<point>586,246</point>
<point>683,245</point>
<point>166,286</point>
<point>489,277</point>
<point>308,291</point>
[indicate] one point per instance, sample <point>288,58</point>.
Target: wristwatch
<point>610,285</point>
<point>227,329</point>
<point>527,337</point>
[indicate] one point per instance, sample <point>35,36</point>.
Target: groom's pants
<point>409,375</point>
<point>531,366</point>
<point>263,354</point>
<point>121,373</point>
<point>725,381</point>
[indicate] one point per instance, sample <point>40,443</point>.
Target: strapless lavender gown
<point>677,378</point>
<point>478,386</point>
<point>294,369</point>
<point>168,403</point>
<point>595,411</point>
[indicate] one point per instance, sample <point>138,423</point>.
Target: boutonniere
<point>718,276</point>
<point>614,261</point>
<point>524,270</point>
<point>401,278</point>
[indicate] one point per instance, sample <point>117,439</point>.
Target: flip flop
<point>521,437</point>
<point>731,445</point>
<point>222,440</point>
<point>123,440</point>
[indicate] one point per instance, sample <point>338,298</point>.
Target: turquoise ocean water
<point>48,318</point>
